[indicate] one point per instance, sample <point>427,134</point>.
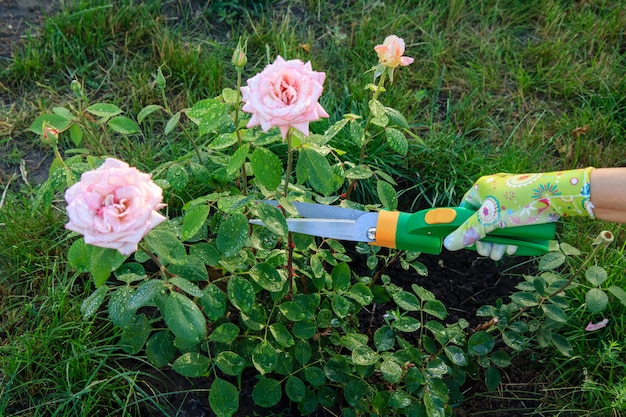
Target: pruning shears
<point>422,231</point>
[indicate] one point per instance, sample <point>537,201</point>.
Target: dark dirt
<point>461,280</point>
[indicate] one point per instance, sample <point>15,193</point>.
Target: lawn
<point>495,86</point>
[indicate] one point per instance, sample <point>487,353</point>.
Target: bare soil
<point>461,280</point>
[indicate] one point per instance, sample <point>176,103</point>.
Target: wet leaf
<point>123,125</point>
<point>184,318</point>
<point>391,371</point>
<point>224,333</point>
<point>387,195</point>
<point>192,364</point>
<point>364,355</point>
<point>481,343</point>
<point>232,234</point>
<point>193,220</point>
<point>396,140</point>
<point>160,348</point>
<point>230,363</point>
<point>267,168</point>
<point>177,176</point>
<point>223,398</point>
<point>596,275</point>
<point>295,389</point>
<point>596,300</point>
<point>240,293</point>
<point>91,304</point>
<point>267,392</point>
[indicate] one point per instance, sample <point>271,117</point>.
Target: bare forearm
<point>608,194</point>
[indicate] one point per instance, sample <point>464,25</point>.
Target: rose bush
<point>114,206</point>
<point>285,94</point>
<point>211,296</point>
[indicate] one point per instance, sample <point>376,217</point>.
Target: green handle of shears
<point>424,231</point>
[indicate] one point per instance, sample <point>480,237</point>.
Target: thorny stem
<point>154,259</point>
<point>380,271</point>
<point>244,176</point>
<point>377,91</point>
<point>290,244</point>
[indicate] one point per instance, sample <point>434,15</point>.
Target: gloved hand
<point>509,200</point>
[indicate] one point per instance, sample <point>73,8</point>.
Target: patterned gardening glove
<point>509,200</point>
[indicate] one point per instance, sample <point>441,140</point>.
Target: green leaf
<point>186,286</point>
<point>292,311</point>
<point>396,140</point>
<point>435,308</point>
<point>104,261</point>
<point>554,312</point>
<point>223,141</point>
<point>492,378</point>
<point>406,301</point>
<point>314,375</point>
<point>361,293</point>
<point>399,399</point>
<point>223,398</point>
<point>192,269</point>
<point>213,302</point>
<point>206,252</point>
<point>341,277</point>
<point>230,363</point>
<point>562,344</point>
<point>163,240</point>
<point>295,389</point>
<point>304,329</point>
<point>79,255</point>
<point>91,304</point>
<point>255,318</point>
<point>434,406</point>
<point>135,334</point>
<point>160,348</point>
<point>525,299</point>
<point>224,333</point>
<point>192,365</point>
<point>481,343</point>
<point>303,352</point>
<point>232,234</point>
<point>282,335</point>
<point>120,313</point>
<point>332,131</point>
<point>513,340</point>
<point>596,300</point>
<point>379,117</point>
<point>456,355</point>
<point>596,275</point>
<point>341,305</point>
<point>397,118</point>
<point>618,292</point>
<point>193,220</point>
<point>500,358</point>
<point>364,355</point>
<point>240,293</point>
<point>55,121</point>
<point>148,110</point>
<point>104,110</point>
<point>145,293</point>
<point>568,249</point>
<point>76,134</point>
<point>272,218</point>
<point>210,114</point>
<point>268,277</point>
<point>184,318</point>
<point>551,260</point>
<point>391,371</point>
<point>337,369</point>
<point>238,159</point>
<point>177,176</point>
<point>314,168</point>
<point>384,338</point>
<point>387,195</point>
<point>171,124</point>
<point>267,392</point>
<point>406,324</point>
<point>359,172</point>
<point>130,272</point>
<point>123,125</point>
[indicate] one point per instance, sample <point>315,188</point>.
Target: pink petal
<point>599,325</point>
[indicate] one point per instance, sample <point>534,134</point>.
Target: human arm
<point>608,194</point>
<point>509,200</point>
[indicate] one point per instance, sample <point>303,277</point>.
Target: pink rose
<point>114,206</point>
<point>285,94</point>
<point>390,52</point>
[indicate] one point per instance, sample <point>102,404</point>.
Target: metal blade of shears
<point>332,222</point>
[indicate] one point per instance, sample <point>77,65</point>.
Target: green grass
<point>495,86</point>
